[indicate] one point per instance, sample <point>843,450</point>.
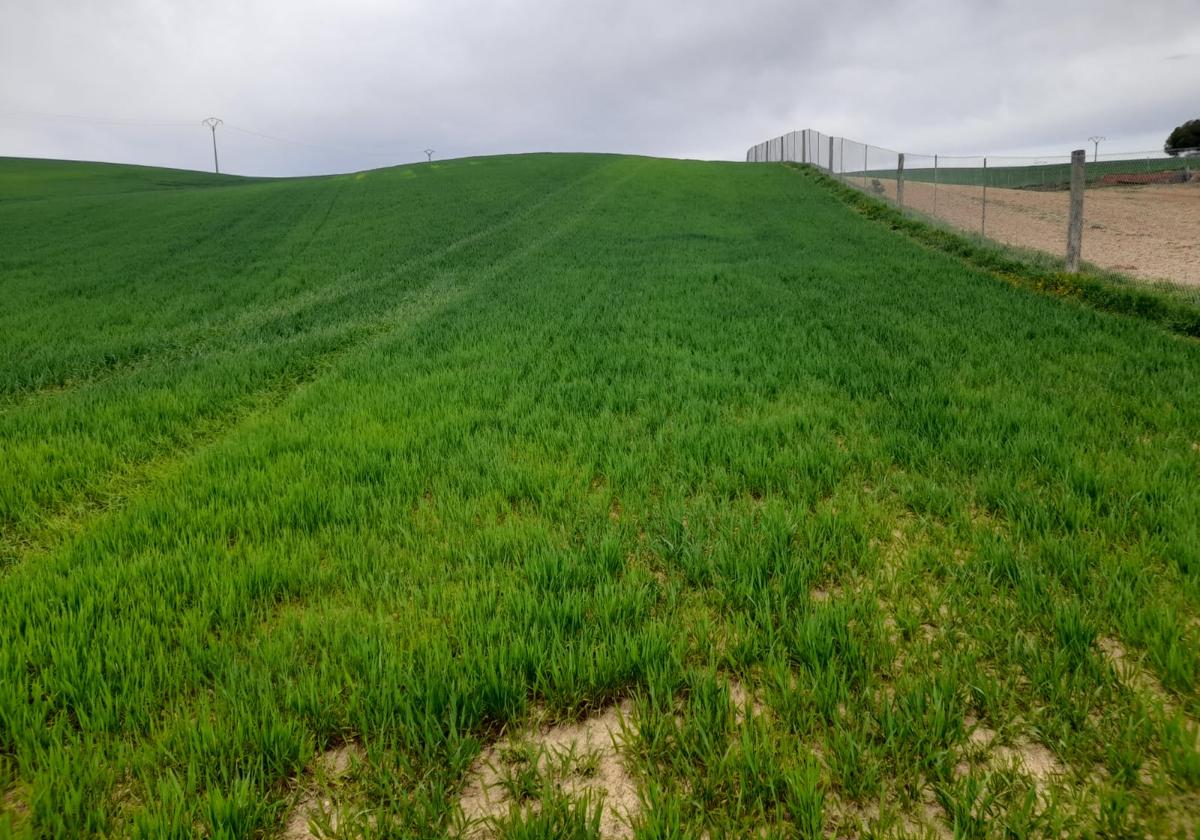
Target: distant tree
<point>1184,137</point>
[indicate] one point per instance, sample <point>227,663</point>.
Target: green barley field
<point>334,506</point>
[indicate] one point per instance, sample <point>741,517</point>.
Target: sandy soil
<point>1151,231</point>
<point>561,752</point>
<point>327,770</point>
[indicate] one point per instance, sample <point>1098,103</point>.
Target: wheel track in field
<point>106,368</point>
<point>114,488</point>
<point>60,522</point>
<point>304,301</point>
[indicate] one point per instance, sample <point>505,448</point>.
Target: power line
<point>95,120</point>
<point>190,123</point>
<point>211,123</point>
<point>309,145</point>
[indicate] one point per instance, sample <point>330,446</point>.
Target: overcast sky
<point>369,83</point>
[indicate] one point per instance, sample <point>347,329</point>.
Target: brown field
<point>1150,231</point>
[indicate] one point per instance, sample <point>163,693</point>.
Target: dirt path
<point>1151,231</point>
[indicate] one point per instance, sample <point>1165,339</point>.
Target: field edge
<point>1104,290</point>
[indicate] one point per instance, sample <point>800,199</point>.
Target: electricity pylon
<point>212,123</point>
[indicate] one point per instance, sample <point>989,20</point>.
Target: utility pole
<point>1096,148</point>
<point>429,155</point>
<point>212,123</point>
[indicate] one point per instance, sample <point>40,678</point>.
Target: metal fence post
<point>900,180</point>
<point>1075,222</point>
<point>830,155</point>
<point>983,218</point>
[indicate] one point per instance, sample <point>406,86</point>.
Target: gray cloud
<point>369,83</point>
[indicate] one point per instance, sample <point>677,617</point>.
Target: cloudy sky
<point>355,84</point>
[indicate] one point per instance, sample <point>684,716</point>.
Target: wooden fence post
<point>983,218</point>
<point>1075,222</point>
<point>900,180</point>
<point>935,180</point>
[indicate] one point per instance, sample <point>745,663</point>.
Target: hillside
<point>319,495</point>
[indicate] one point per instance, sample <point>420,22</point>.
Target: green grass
<point>1050,176</point>
<point>24,179</point>
<point>406,457</point>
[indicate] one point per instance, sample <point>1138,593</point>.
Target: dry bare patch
<point>318,807</point>
<point>745,703</point>
<point>1132,674</point>
<point>852,820</point>
<point>1030,757</point>
<point>580,758</point>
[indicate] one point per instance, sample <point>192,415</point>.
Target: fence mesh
<point>1141,209</point>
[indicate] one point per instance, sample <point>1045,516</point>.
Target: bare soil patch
<point>578,758</point>
<point>1030,757</point>
<point>317,805</point>
<point>853,821</point>
<point>1132,674</point>
<point>1150,231</point>
<point>1033,759</point>
<point>745,703</point>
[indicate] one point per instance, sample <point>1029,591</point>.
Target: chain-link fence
<point>1141,210</point>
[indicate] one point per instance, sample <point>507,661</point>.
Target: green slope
<point>404,458</point>
<point>33,178</point>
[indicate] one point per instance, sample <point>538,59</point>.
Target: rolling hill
<point>345,501</point>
